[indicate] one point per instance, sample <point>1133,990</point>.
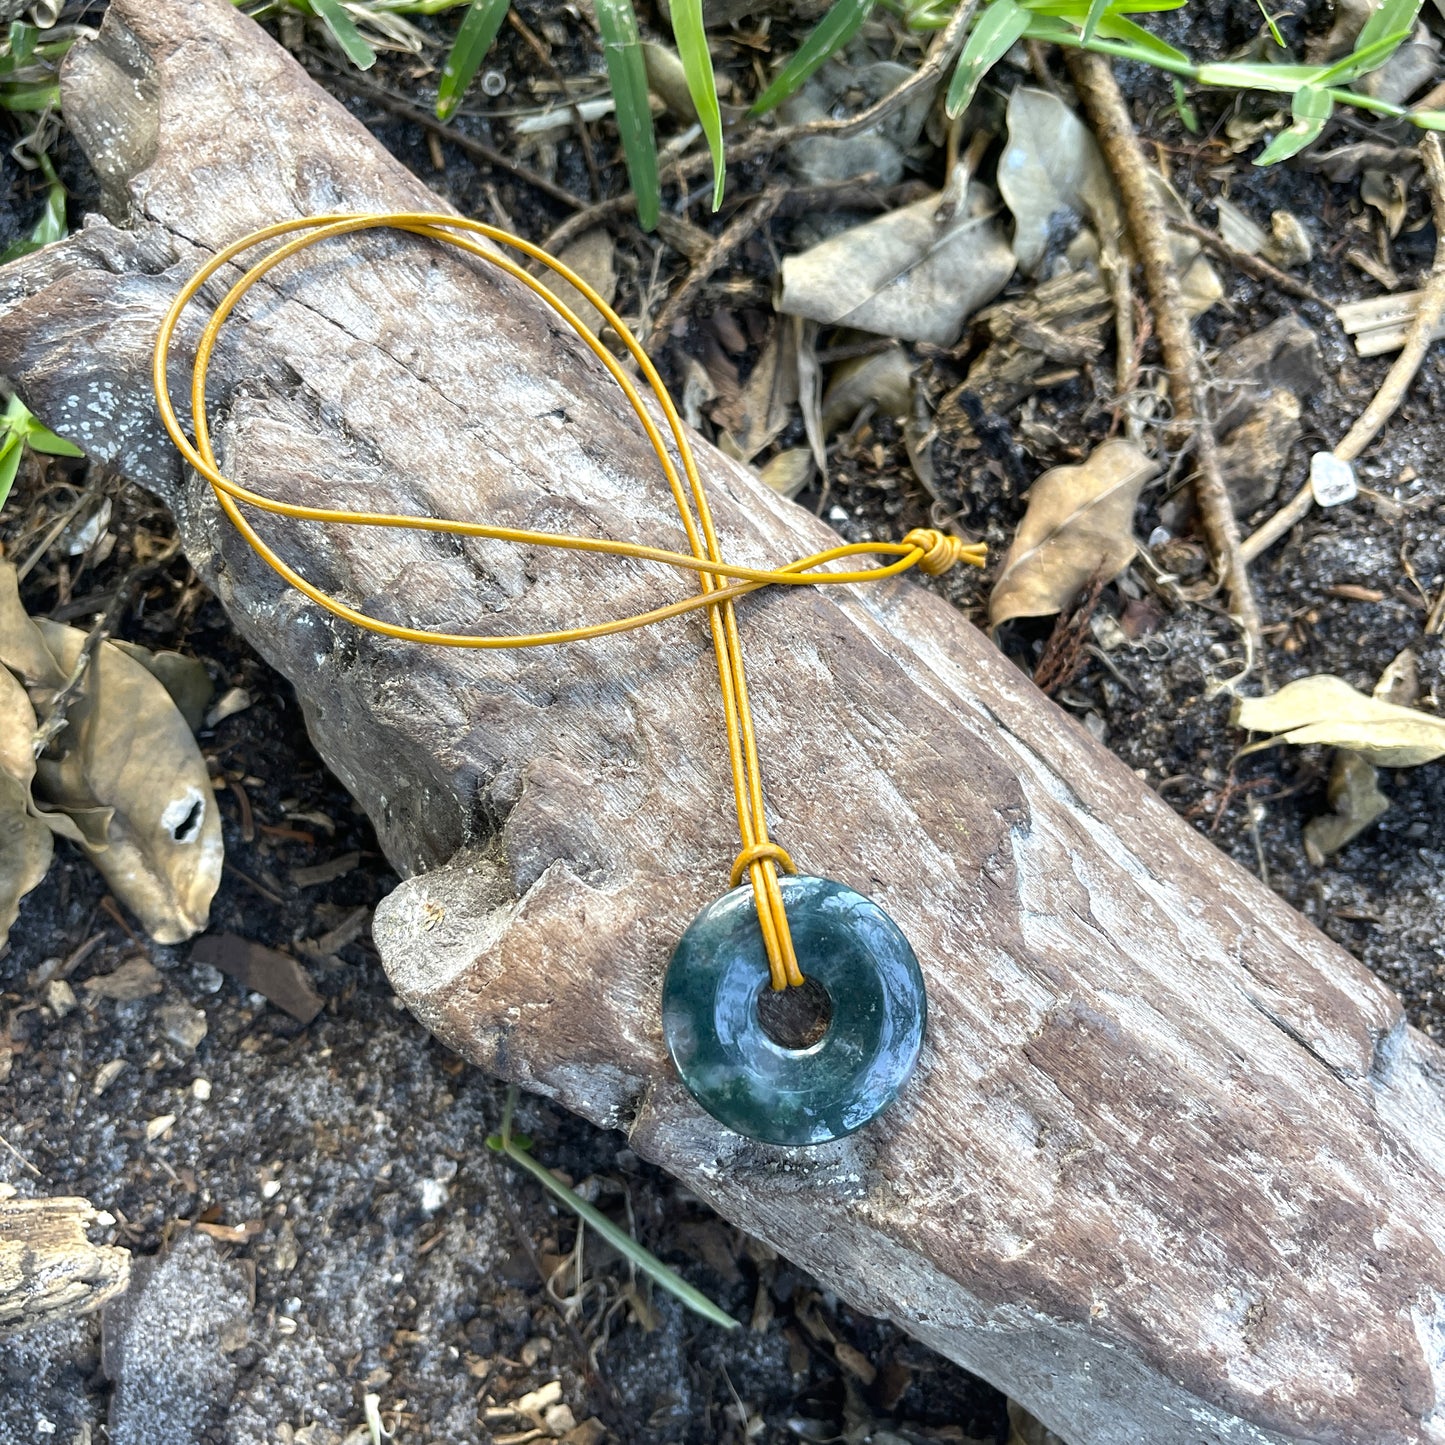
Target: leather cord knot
<point>942,551</point>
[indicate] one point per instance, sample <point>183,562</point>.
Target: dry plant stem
<point>1148,226</point>
<point>1397,380</point>
<point>939,58</point>
<point>1250,265</point>
<point>543,52</point>
<point>746,223</point>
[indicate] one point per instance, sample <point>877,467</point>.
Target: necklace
<point>820,1052</point>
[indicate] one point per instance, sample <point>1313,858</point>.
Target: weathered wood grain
<point>48,1268</point>
<point>1171,1167</point>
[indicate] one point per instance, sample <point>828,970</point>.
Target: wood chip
<point>336,867</point>
<point>135,978</point>
<point>855,1362</point>
<point>347,931</point>
<point>277,976</point>
<point>232,1233</point>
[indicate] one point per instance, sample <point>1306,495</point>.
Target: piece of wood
<point>1171,1167</point>
<point>48,1268</point>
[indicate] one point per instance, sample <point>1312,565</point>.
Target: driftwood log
<point>1171,1167</point>
<point>49,1269</point>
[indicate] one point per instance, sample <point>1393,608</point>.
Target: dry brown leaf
<point>884,380</point>
<point>25,842</point>
<point>185,678</point>
<point>1326,709</point>
<point>1079,524</point>
<point>22,648</point>
<point>593,256</point>
<point>127,747</point>
<point>124,777</point>
<point>788,472</point>
<point>908,274</point>
<point>1355,803</point>
<point>1052,165</point>
<point>758,414</point>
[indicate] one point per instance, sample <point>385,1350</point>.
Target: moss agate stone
<point>835,1084</point>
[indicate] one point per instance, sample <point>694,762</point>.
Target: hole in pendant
<point>796,1018</point>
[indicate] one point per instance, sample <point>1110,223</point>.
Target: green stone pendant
<point>845,1052</point>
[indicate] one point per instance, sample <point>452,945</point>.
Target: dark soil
<point>329,1187</point>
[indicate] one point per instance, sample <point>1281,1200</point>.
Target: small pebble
<point>158,1126</point>
<point>559,1419</point>
<point>183,1025</point>
<point>537,1348</point>
<point>106,1075</point>
<point>59,997</point>
<point>201,1089</point>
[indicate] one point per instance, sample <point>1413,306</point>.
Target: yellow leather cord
<point>720,583</point>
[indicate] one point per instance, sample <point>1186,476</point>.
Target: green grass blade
<point>9,465</point>
<point>1278,79</point>
<point>1077,10</point>
<point>1092,18</point>
<point>1271,26</point>
<point>22,42</point>
<point>1427,119</point>
<point>823,41</point>
<point>1312,107</point>
<point>992,37</point>
<point>626,69</point>
<point>1187,116</point>
<point>1148,45</point>
<point>1362,59</point>
<point>1392,17</point>
<point>619,1239</point>
<point>344,32</point>
<point>478,29</point>
<point>50,227</point>
<point>691,37</point>
<point>30,96</point>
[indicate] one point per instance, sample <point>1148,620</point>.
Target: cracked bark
<point>1171,1166</point>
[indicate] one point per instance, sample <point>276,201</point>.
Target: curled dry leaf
<point>883,380</point>
<point>124,778</point>
<point>1079,525</point>
<point>1355,803</point>
<point>912,274</point>
<point>1326,709</point>
<point>25,842</point>
<point>788,472</point>
<point>1052,167</point>
<point>757,415</point>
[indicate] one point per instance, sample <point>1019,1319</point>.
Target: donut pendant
<point>805,1065</point>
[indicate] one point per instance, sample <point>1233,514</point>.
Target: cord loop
<point>720,583</point>
<point>756,854</point>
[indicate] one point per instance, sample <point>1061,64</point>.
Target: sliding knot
<point>755,854</point>
<point>942,551</point>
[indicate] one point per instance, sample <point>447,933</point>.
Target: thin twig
<point>59,708</point>
<point>745,224</point>
<point>406,111</point>
<point>1148,226</point>
<point>1397,380</point>
<point>1250,265</point>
